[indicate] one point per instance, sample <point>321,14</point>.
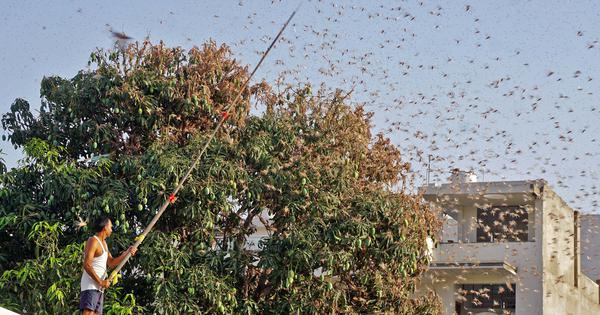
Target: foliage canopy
<point>118,136</point>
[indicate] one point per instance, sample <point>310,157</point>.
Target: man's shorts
<point>92,300</point>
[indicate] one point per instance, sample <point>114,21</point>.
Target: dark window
<point>488,296</point>
<point>502,224</point>
<point>458,306</point>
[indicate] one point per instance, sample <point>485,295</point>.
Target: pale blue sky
<point>474,82</point>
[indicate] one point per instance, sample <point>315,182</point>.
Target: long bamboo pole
<point>224,116</point>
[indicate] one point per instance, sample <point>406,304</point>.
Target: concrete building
<point>508,247</point>
<point>590,245</point>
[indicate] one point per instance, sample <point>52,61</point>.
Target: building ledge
<point>500,267</point>
<point>483,188</point>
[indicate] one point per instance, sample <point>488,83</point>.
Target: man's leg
<point>88,312</point>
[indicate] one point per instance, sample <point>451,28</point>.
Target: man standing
<point>95,261</point>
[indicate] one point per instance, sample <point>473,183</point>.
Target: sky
<point>508,89</point>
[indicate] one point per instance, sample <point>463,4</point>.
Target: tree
<point>344,235</point>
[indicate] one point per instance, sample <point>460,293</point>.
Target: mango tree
<point>342,235</point>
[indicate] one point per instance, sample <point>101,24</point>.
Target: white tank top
<point>99,266</point>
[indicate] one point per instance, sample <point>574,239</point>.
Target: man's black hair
<point>100,223</point>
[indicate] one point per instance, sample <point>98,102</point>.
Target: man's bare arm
<point>113,262</point>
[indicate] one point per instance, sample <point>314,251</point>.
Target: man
<point>95,260</point>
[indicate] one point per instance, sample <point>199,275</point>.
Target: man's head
<point>103,224</point>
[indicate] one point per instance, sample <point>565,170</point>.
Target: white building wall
<point>566,289</point>
<point>546,264</point>
<point>522,255</point>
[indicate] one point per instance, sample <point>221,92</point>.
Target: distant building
<point>590,245</point>
<point>509,247</point>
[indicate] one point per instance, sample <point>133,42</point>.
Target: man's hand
<point>132,250</point>
<point>105,284</point>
